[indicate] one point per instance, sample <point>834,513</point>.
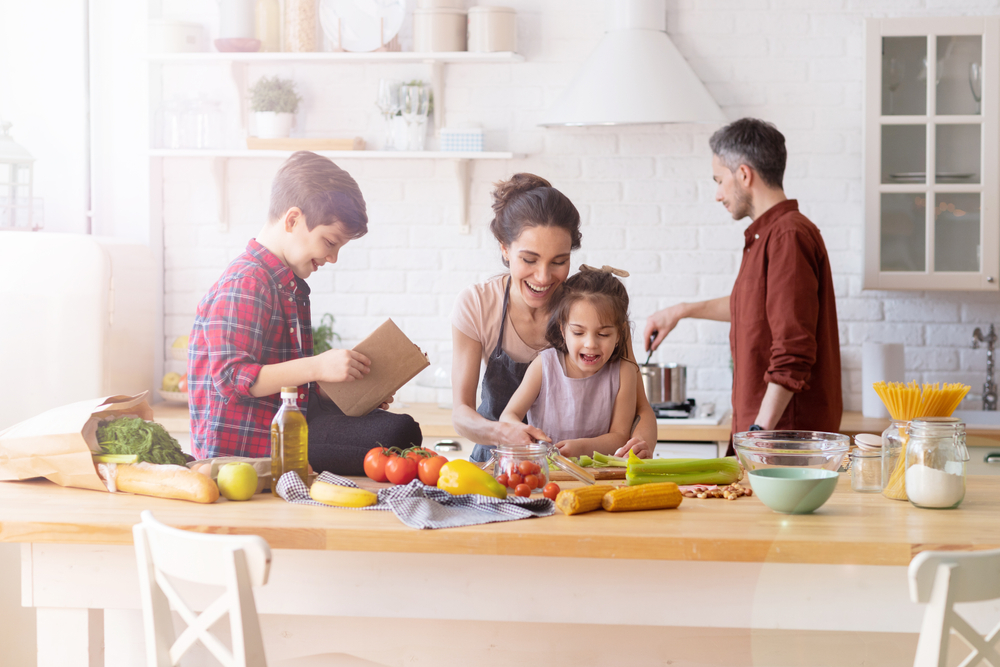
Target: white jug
<point>236,18</point>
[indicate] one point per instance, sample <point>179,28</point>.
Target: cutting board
<point>306,144</point>
<point>557,475</point>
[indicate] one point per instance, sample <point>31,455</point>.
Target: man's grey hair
<point>755,143</point>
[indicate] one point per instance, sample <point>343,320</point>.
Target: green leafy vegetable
<point>148,441</point>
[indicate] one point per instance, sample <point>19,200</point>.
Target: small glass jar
<point>866,471</point>
<point>526,464</point>
<point>894,440</point>
<point>936,459</point>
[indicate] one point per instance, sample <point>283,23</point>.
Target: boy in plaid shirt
<point>253,332</point>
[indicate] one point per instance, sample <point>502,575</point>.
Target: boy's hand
<point>342,366</point>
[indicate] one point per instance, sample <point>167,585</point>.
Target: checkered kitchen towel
<point>421,506</point>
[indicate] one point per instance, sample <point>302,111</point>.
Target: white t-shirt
<point>477,315</point>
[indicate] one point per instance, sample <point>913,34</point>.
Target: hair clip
<point>606,269</point>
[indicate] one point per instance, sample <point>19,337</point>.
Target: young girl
<point>581,391</point>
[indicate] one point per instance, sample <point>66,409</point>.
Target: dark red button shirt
<point>255,315</point>
<point>784,323</point>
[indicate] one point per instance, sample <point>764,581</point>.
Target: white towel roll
<point>879,362</point>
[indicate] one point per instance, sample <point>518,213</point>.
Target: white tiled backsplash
<point>645,193</point>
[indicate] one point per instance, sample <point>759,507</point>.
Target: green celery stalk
<point>684,471</point>
<point>604,460</point>
<point>704,477</point>
<point>584,461</point>
<point>676,466</point>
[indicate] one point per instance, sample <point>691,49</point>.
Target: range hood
<point>635,76</point>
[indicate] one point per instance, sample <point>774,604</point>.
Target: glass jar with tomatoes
<point>514,465</point>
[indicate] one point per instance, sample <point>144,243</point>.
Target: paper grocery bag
<point>58,444</point>
<point>395,361</point>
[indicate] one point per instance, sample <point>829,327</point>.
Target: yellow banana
<point>341,496</point>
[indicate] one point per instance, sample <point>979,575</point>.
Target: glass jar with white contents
<point>936,459</point>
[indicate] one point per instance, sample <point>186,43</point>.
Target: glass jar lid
<point>937,426</point>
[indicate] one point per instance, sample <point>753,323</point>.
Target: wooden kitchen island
<point>713,582</point>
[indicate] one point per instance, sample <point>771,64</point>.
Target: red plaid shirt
<point>257,314</point>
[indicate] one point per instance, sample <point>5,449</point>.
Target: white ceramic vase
<point>271,125</point>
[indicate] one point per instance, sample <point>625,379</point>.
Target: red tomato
<point>531,481</point>
<point>429,469</point>
<point>375,461</point>
<point>502,478</point>
<point>522,490</point>
<point>526,467</point>
<point>551,490</point>
<point>514,479</point>
<point>401,470</point>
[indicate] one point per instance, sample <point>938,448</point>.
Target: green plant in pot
<point>273,102</point>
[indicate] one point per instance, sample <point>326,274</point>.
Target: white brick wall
<point>644,193</point>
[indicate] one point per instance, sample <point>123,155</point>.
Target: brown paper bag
<point>395,361</point>
<point>58,444</point>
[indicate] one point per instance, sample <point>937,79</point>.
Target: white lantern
<point>16,176</point>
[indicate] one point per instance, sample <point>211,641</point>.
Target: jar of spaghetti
<point>936,458</point>
<point>894,441</point>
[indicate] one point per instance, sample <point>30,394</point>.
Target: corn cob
<point>664,495</point>
<point>341,496</point>
<point>583,499</point>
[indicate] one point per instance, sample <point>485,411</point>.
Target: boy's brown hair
<point>324,192</point>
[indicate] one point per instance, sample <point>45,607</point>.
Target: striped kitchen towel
<point>421,506</point>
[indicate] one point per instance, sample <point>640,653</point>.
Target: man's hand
<point>637,445</point>
<point>341,366</point>
<point>660,324</point>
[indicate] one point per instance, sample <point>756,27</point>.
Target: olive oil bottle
<point>289,439</point>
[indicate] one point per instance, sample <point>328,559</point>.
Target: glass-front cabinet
<point>931,155</point>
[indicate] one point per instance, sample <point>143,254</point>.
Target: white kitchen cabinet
<point>931,176</point>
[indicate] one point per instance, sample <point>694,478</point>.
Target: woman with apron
<point>505,317</point>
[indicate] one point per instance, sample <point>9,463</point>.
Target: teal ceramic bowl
<point>793,490</point>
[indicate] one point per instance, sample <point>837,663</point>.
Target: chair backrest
<point>236,562</point>
<point>976,578</point>
<point>941,579</point>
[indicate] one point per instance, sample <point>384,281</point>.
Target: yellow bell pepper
<point>460,477</point>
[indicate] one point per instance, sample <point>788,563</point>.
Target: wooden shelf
<point>361,155</point>
<point>342,57</point>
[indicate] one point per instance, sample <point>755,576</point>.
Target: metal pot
<point>664,383</point>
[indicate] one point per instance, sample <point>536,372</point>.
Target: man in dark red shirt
<point>784,338</point>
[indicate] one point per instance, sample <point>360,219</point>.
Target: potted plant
<point>274,103</point>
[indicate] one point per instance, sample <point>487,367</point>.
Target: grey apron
<point>502,378</point>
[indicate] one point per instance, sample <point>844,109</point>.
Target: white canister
<point>176,37</point>
<point>492,29</point>
<point>236,19</point>
<point>439,30</point>
<point>440,4</point>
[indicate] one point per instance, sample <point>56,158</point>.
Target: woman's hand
<point>341,366</point>
<point>637,445</point>
<point>520,434</point>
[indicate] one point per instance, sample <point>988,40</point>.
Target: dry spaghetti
<point>908,402</point>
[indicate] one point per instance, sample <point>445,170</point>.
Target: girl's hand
<point>637,445</point>
<point>575,447</point>
<point>520,434</point>
<point>342,366</point>
<point>386,402</point>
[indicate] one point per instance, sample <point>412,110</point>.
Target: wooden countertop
<point>852,528</point>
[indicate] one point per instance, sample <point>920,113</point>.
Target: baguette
<point>166,481</point>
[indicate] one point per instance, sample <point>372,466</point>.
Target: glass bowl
<point>757,450</point>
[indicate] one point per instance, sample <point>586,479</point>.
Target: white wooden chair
<point>236,562</point>
<point>941,579</point>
